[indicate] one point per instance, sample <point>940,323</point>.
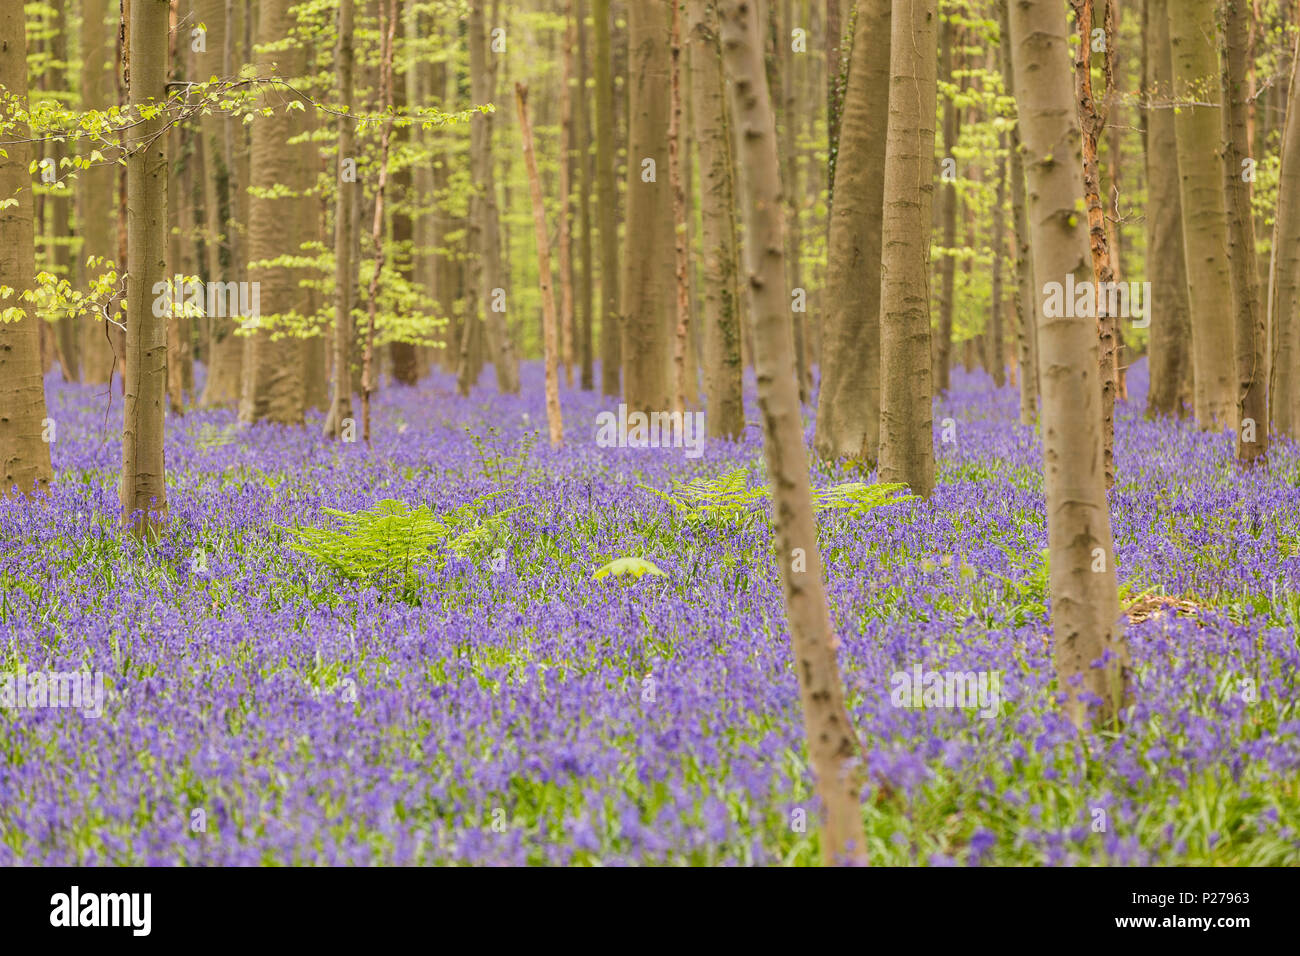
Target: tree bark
<point>1249,328</point>
<point>1284,286</point>
<point>273,386</point>
<point>848,413</point>
<point>682,285</point>
<point>832,741</point>
<point>345,199</point>
<point>1205,230</point>
<point>725,415</point>
<point>143,485</point>
<point>611,322</point>
<point>1171,327</point>
<point>24,452</point>
<point>1085,600</point>
<point>554,421</point>
<point>566,194</point>
<point>585,178</point>
<point>101,341</point>
<point>906,439</point>
<point>949,203</point>
<point>648,280</point>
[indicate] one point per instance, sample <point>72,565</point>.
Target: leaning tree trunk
<point>1171,329</point>
<point>1205,228</point>
<point>1284,286</point>
<point>1249,328</point>
<point>906,384</point>
<point>648,280</point>
<point>848,411</point>
<point>554,422</point>
<point>143,487</point>
<point>723,370</point>
<point>832,742</point>
<point>1085,600</point>
<point>24,451</point>
<point>341,403</point>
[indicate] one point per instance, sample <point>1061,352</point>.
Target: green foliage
<point>623,567</point>
<point>391,543</point>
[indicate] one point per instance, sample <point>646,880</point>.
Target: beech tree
<point>1284,273</point>
<point>143,484</point>
<point>832,742</point>
<point>1084,593</point>
<point>906,439</point>
<point>848,412</point>
<point>24,448</point>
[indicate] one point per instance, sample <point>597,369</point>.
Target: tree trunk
<point>1248,311</point>
<point>1205,231</point>
<point>583,140</point>
<point>1092,121</point>
<point>554,422</point>
<point>832,742</point>
<point>484,225</point>
<point>566,194</point>
<point>1284,287</point>
<point>345,199</point>
<point>1085,600</point>
<point>725,415</point>
<point>682,299</point>
<point>1026,295</point>
<point>611,322</point>
<point>143,487</point>
<point>997,350</point>
<point>648,275</point>
<point>906,440</point>
<point>949,201</point>
<point>24,450</point>
<point>848,414</point>
<point>273,387</point>
<point>101,341</point>
<point>223,145</point>
<point>790,190</point>
<point>1170,329</point>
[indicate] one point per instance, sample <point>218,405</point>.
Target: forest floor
<point>453,684</point>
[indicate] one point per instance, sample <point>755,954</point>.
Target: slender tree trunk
<point>1205,230</point>
<point>611,321</point>
<point>566,194</point>
<point>585,178</point>
<point>848,414</point>
<point>387,32</point>
<point>1092,120</point>
<point>555,423</point>
<point>24,449</point>
<point>1085,599</point>
<point>346,197</point>
<point>101,341</point>
<point>223,140</point>
<point>906,439</point>
<point>1284,286</point>
<point>143,487</point>
<point>949,203</point>
<point>832,741</point>
<point>1250,328</point>
<point>997,349</point>
<point>790,189</point>
<point>725,416</point>
<point>1026,294</point>
<point>648,275</point>
<point>484,225</point>
<point>1171,329</point>
<point>682,300</point>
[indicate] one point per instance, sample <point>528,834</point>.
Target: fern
<point>391,543</point>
